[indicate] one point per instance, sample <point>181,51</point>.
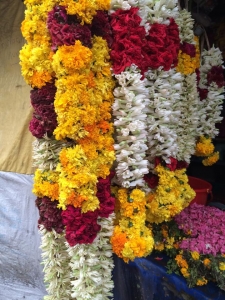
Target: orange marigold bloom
<point>206,262</point>
<point>75,199</point>
<point>118,241</point>
<point>202,281</point>
<point>39,79</point>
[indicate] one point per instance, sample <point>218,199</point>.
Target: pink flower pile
<point>206,228</point>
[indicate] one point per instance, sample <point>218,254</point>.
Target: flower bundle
<point>67,64</point>
<point>131,238</point>
<point>171,195</point>
<point>194,241</point>
<point>205,237</point>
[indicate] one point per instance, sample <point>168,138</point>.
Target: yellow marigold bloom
<point>206,262</point>
<point>46,184</point>
<point>184,272</point>
<point>222,266</point>
<point>204,147</point>
<point>212,159</point>
<point>201,281</point>
<point>159,246</point>
<point>195,255</point>
<point>35,64</point>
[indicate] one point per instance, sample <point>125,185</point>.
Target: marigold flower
<point>202,281</point>
<point>222,266</point>
<point>195,255</point>
<point>206,262</point>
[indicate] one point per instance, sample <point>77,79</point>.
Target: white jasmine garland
<point>210,108</point>
<point>129,111</point>
<point>56,265</point>
<point>185,24</point>
<point>46,152</point>
<point>163,117</point>
<point>92,265</point>
<point>188,131</point>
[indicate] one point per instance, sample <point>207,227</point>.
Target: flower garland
<point>211,88</point>
<point>170,197</point>
<point>69,70</point>
<point>131,238</point>
<point>188,61</point>
<point>56,265</point>
<point>163,115</point>
<point>129,111</point>
<point>91,265</point>
<point>211,79</point>
<point>159,43</point>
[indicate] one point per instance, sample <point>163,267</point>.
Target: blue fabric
<point>146,279</point>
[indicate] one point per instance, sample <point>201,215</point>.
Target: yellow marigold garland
<point>77,181</point>
<point>170,197</point>
<point>35,56</point>
<point>131,238</point>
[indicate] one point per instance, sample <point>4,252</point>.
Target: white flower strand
<point>129,110</point>
<point>210,108</point>
<point>56,265</point>
<point>92,265</point>
<point>150,11</point>
<point>46,152</point>
<point>188,131</point>
<point>185,24</point>
<point>163,114</point>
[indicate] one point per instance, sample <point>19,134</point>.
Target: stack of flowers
<point>82,59</point>
<point>195,241</point>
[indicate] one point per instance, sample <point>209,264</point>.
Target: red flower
<point>101,27</point>
<point>152,180</point>
<point>81,228</point>
<point>107,202</point>
<point>173,164</point>
<point>50,214</point>
<point>216,75</point>
<point>65,30</point>
<point>182,165</point>
<point>203,93</point>
<point>158,161</point>
<point>188,49</point>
